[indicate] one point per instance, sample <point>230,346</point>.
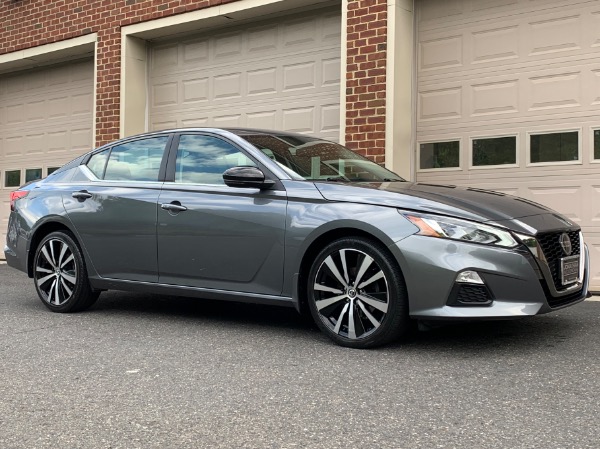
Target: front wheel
<point>60,276</point>
<point>357,295</point>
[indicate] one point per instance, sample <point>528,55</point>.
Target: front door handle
<point>174,206</point>
<point>81,195</point>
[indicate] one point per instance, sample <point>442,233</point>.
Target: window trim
<point>592,159</point>
<point>171,163</point>
<point>21,178</point>
<point>45,169</point>
<point>41,169</point>
<point>437,170</point>
<point>578,161</point>
<point>109,147</point>
<point>494,136</point>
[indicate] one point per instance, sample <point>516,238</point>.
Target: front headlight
<point>455,229</point>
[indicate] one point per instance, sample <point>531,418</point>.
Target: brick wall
<point>29,23</point>
<point>366,77</point>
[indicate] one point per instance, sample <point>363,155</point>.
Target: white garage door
<point>279,74</point>
<point>45,121</point>
<point>509,100</point>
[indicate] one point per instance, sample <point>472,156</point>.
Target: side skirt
<point>192,292</point>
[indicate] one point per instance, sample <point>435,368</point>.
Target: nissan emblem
<point>565,244</point>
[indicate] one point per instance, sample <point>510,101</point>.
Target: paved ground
<point>154,372</point>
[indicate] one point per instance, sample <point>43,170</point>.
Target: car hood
<point>464,202</point>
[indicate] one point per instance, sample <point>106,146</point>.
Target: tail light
<point>14,196</point>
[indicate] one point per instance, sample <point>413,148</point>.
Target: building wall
<point>30,23</point>
<point>366,77</point>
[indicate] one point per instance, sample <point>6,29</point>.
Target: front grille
<point>470,295</point>
<point>550,244</point>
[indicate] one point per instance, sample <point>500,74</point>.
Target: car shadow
<point>525,334</point>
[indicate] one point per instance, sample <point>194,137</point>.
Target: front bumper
<point>515,280</point>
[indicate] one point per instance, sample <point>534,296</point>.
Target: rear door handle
<point>174,206</point>
<point>81,195</point>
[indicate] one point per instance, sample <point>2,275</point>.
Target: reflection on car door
<point>115,214</point>
<point>214,236</point>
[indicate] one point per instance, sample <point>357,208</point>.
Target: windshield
<point>319,160</point>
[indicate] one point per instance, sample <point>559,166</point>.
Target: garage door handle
<point>175,206</point>
<point>81,195</point>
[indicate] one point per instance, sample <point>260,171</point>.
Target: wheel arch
<point>316,244</point>
<point>50,225</point>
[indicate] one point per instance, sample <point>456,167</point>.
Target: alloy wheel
<point>351,293</point>
<point>56,272</point>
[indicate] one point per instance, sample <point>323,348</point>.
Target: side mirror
<point>248,177</point>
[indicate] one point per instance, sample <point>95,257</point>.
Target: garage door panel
<point>567,93</point>
<point>46,119</point>
<point>282,74</point>
<point>300,115</point>
<point>259,81</point>
<point>593,242</point>
<point>531,69</point>
<point>521,35</point>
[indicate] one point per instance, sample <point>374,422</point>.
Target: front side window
<point>494,151</point>
<point>554,147</point>
<point>136,161</point>
<point>439,155</point>
<point>204,159</point>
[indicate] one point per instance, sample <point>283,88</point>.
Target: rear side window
<point>132,161</point>
<point>97,163</point>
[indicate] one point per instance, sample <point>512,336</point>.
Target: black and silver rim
<point>351,294</point>
<point>56,272</point>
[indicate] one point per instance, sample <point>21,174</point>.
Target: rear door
<point>115,210</point>
<point>221,237</point>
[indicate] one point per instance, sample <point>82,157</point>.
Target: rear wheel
<point>357,295</point>
<point>60,276</point>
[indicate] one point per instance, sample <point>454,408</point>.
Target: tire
<point>60,276</point>
<point>357,294</point>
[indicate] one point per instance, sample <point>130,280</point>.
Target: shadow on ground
<point>528,334</point>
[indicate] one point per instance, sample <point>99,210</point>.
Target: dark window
<point>32,174</point>
<point>52,170</point>
<point>597,144</point>
<point>12,178</point>
<point>97,163</point>
<point>136,161</point>
<point>203,159</point>
<point>440,155</point>
<point>555,147</point>
<point>494,151</point>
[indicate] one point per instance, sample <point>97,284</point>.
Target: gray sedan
<point>279,218</point>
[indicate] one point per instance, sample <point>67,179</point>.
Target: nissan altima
<point>279,218</point>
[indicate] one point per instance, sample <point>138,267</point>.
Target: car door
<point>114,210</point>
<point>214,236</point>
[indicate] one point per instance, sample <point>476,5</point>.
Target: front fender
<point>310,223</point>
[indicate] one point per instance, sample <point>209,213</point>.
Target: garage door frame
<point>134,56</point>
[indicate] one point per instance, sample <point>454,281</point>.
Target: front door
<point>214,236</point>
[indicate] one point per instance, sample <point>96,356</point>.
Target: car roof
<point>237,131</point>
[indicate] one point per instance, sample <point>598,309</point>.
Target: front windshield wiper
<point>337,179</point>
<point>393,180</point>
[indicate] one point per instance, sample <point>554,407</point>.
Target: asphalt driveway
<point>139,371</point>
